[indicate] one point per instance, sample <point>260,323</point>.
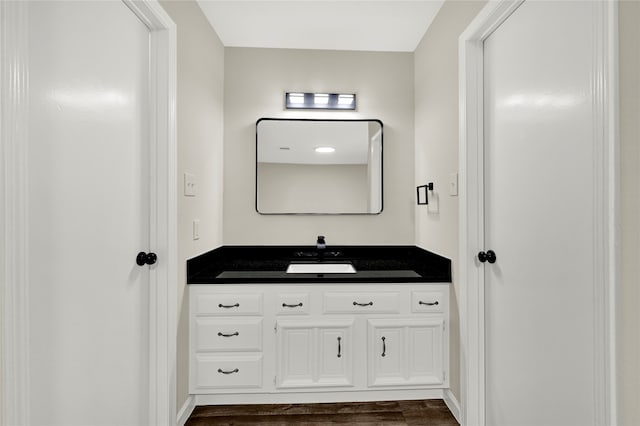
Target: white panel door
<point>89,214</point>
<point>296,355</point>
<point>386,354</point>
<point>540,177</point>
<point>335,356</point>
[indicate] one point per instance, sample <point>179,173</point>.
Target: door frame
<point>14,229</point>
<point>471,229</point>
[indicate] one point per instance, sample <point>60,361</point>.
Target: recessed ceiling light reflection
<point>325,149</point>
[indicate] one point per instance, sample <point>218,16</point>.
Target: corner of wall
<point>200,118</point>
<point>436,150</point>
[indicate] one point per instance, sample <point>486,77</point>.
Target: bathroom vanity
<point>259,334</point>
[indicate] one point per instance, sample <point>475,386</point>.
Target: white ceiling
<point>378,25</point>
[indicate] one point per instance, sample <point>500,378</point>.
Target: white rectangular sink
<point>321,268</point>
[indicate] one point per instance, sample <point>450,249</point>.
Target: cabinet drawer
<point>364,302</point>
<point>213,334</point>
<point>228,371</point>
<point>228,304</point>
<point>293,304</point>
<point>428,301</point>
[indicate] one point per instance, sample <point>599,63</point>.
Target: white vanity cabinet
<point>318,342</point>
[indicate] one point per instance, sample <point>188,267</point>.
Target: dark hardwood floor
<point>394,413</point>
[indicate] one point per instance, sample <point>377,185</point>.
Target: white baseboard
<point>186,410</point>
<point>453,404</point>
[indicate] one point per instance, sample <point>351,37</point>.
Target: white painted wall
<point>255,82</point>
<point>436,135</point>
<point>629,21</point>
<point>200,132</point>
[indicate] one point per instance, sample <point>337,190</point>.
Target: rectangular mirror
<point>308,166</point>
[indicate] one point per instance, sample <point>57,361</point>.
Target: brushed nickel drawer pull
<point>220,305</point>
<point>299,305</point>
<point>228,335</point>
<point>362,304</point>
<point>384,346</point>
<point>227,372</point>
<point>428,303</point>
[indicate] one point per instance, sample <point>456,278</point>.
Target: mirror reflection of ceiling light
<point>333,101</point>
<point>325,149</point>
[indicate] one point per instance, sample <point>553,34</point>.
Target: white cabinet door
<point>425,353</point>
<point>386,354</point>
<point>335,356</point>
<point>314,353</point>
<point>295,355</point>
<point>405,352</point>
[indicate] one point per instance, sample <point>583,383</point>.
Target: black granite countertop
<point>268,264</point>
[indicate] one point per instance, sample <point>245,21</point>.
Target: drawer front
<point>218,335</point>
<point>361,302</point>
<point>228,371</point>
<point>428,301</point>
<point>228,304</point>
<point>293,304</point>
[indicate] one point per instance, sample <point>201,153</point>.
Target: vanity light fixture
<point>333,101</point>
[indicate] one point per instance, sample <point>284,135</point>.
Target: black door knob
<point>146,258</point>
<point>489,256</point>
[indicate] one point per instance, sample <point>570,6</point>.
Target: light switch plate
<point>453,184</point>
<point>196,229</point>
<point>189,185</point>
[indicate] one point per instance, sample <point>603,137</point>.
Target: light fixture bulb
<point>296,98</point>
<point>345,99</point>
<point>321,98</point>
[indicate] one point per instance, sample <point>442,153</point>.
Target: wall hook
<point>422,194</point>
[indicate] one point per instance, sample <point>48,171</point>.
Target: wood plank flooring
<point>393,413</point>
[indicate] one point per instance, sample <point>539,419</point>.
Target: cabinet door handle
<point>362,304</point>
<point>420,302</point>
<point>228,335</point>
<point>228,372</point>
<point>384,346</point>
<point>299,305</point>
<point>220,305</point>
<point>339,347</point>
